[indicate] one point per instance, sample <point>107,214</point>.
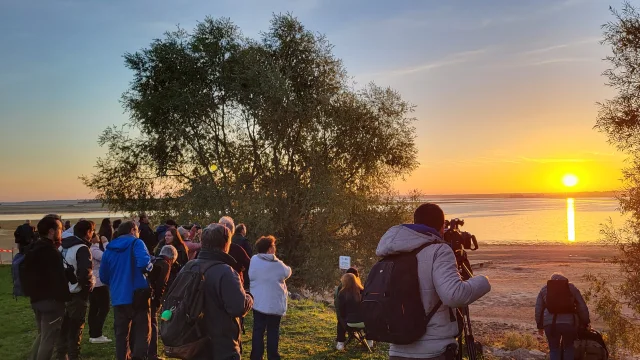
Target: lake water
<point>529,221</point>
<point>496,221</point>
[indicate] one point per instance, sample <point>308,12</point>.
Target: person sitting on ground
<point>225,300</point>
<point>146,233</point>
<point>561,326</point>
<point>158,279</point>
<point>172,237</point>
<point>123,268</point>
<point>236,251</point>
<point>439,280</point>
<point>341,331</point>
<point>43,279</point>
<point>350,297</point>
<point>192,247</point>
<point>268,286</point>
<point>77,256</point>
<point>24,236</point>
<point>99,299</point>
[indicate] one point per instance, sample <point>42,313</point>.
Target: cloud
<point>589,40</point>
<point>558,61</point>
<point>449,60</point>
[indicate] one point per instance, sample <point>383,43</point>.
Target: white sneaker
<point>370,343</point>
<point>100,340</point>
<point>340,346</point>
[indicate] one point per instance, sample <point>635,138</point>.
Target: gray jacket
<point>581,318</point>
<point>439,280</point>
<point>225,303</point>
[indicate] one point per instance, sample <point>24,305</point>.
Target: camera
<point>459,240</point>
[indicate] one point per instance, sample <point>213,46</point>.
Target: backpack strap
<point>437,306</point>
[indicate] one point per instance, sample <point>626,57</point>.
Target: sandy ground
<point>517,274</point>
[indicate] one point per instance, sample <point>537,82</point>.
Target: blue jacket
<point>116,270</point>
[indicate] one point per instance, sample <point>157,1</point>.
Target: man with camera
<point>442,289</point>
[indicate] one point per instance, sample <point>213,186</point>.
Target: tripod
<point>464,267</point>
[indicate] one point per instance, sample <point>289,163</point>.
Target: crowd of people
<point>73,273</point>
<point>128,268</point>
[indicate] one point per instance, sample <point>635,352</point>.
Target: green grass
<point>307,332</point>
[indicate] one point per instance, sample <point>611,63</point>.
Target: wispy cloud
<point>589,40</point>
<point>558,61</point>
<point>449,60</point>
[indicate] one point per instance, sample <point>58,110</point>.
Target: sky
<point>505,91</point>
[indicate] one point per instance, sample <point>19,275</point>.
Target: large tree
<point>617,299</point>
<point>270,131</point>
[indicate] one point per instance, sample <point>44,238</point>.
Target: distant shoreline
<point>582,194</point>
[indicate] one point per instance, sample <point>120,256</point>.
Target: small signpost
<point>345,262</point>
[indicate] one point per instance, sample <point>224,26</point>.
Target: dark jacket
<point>147,236</point>
<point>244,242</point>
<point>158,279</point>
<point>349,311</point>
<point>44,277</point>
<point>24,234</point>
<point>84,263</point>
<point>242,262</point>
<point>183,258</point>
<point>225,302</point>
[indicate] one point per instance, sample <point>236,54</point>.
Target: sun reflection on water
<point>571,220</point>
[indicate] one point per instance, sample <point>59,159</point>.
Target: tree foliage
<point>617,301</point>
<point>269,131</point>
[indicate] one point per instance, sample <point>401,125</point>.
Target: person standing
<point>146,233</point>
<point>192,247</point>
<point>158,279</point>
<point>268,275</point>
<point>341,336</point>
<point>173,238</point>
<point>43,279</point>
<point>240,238</point>
<point>123,269</point>
<point>225,300</point>
<point>24,236</point>
<point>77,258</point>
<point>561,325</point>
<point>236,251</point>
<point>99,298</point>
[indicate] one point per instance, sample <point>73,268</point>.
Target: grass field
<point>307,332</point>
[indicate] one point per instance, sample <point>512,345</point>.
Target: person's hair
<point>353,271</point>
<point>240,228</point>
<point>105,230</point>
<point>351,287</point>
<point>215,236</point>
<point>169,251</point>
<point>265,243</point>
<point>184,233</point>
<point>82,227</point>
<point>116,225</point>
<point>47,223</point>
<point>177,239</point>
<point>171,222</point>
<point>227,221</point>
<point>124,228</point>
<point>557,276</point>
<point>430,215</point>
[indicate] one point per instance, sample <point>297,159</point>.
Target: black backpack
<point>182,334</point>
<point>391,306</point>
<point>560,300</point>
<point>590,346</point>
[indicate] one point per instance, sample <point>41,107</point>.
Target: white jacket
<point>267,275</point>
<point>439,279</point>
<point>96,254</point>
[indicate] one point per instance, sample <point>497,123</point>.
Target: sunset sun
<point>570,180</point>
